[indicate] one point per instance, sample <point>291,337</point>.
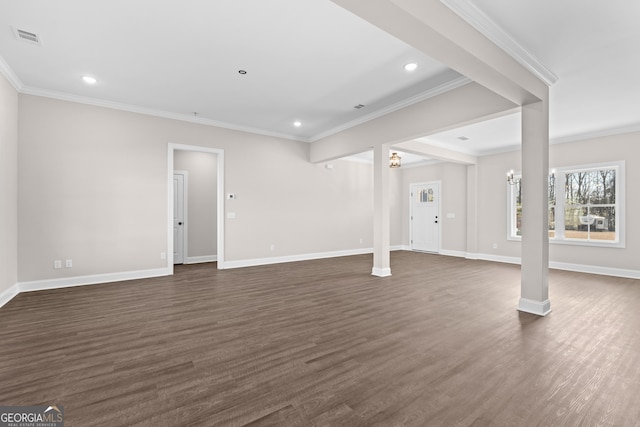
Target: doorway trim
<point>439,183</point>
<point>171,149</point>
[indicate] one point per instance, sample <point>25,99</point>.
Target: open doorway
<point>185,157</point>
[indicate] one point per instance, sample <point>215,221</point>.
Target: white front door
<point>425,217</point>
<point>178,218</point>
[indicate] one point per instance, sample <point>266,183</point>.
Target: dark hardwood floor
<point>440,343</point>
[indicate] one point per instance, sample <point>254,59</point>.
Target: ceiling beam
<point>464,105</point>
<point>437,31</point>
<point>435,152</point>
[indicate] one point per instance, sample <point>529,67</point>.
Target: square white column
<point>534,296</point>
<point>381,212</point>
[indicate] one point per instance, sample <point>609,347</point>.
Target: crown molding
<point>12,77</point>
<point>600,133</point>
<point>15,81</point>
<point>151,112</point>
<point>475,17</point>
<point>438,90</point>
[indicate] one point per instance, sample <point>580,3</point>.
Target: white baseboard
<point>458,254</point>
<point>200,259</point>
<point>9,294</point>
<point>303,257</point>
<point>65,282</point>
<point>580,268</point>
<point>594,269</point>
<point>541,308</point>
<point>37,285</point>
<point>499,258</point>
<point>292,258</point>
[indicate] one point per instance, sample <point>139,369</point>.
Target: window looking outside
<point>585,205</point>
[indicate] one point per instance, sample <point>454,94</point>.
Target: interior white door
<point>425,216</point>
<point>178,218</point>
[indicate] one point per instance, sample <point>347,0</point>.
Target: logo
<point>32,416</point>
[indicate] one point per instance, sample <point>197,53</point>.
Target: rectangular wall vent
<point>27,36</point>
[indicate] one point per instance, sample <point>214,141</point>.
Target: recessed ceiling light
<point>242,72</point>
<point>410,66</point>
<point>89,80</point>
<point>297,124</point>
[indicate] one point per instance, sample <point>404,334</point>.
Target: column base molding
<point>381,272</point>
<point>541,308</point>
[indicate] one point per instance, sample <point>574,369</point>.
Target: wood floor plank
<point>324,343</point>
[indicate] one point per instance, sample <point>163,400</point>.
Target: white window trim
<point>559,238</point>
<point>511,210</point>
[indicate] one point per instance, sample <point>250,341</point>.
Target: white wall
<point>453,178</point>
<point>492,211</point>
<point>202,192</point>
<point>93,188</point>
<point>492,205</point>
<point>8,186</point>
<point>620,147</point>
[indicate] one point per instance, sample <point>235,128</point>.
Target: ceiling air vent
<point>27,37</point>
<point>359,106</point>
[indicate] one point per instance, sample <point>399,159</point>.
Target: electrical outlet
<point>68,263</point>
<point>495,246</point>
<point>272,247</point>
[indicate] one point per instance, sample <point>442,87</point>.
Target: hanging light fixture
<point>394,160</point>
<point>510,178</point>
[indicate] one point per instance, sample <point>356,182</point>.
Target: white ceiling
<point>309,61</point>
<point>312,61</point>
<point>592,49</point>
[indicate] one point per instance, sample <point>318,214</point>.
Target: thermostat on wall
<point>231,196</point>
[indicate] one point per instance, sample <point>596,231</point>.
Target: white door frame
<point>439,212</point>
<point>172,147</point>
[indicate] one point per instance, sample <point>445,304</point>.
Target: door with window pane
<point>425,216</point>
